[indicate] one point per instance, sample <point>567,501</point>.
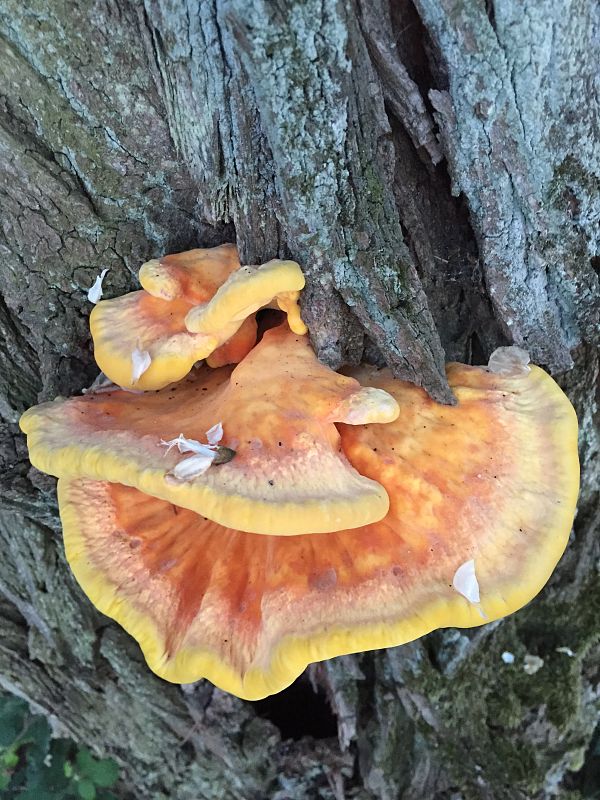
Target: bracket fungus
<point>192,304</point>
<point>250,520</point>
<point>278,408</point>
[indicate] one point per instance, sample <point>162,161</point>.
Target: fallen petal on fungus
<point>245,292</point>
<point>194,275</point>
<point>278,409</point>
<point>205,455</point>
<point>215,433</point>
<point>192,467</point>
<point>140,363</point>
<point>249,612</point>
<point>465,581</point>
<point>185,445</point>
<point>100,384</point>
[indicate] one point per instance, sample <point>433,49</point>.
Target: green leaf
<point>86,789</point>
<point>104,772</point>
<point>9,758</point>
<point>35,767</point>
<point>37,737</point>
<point>47,780</point>
<point>13,713</point>
<point>83,760</point>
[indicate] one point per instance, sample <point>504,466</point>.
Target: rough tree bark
<point>431,165</point>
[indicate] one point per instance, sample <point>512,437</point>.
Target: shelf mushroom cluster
<point>245,517</point>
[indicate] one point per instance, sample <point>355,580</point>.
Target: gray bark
<point>434,168</point>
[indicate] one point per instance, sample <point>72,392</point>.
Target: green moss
<point>570,181</point>
<point>482,707</point>
<point>374,189</point>
<point>557,685</point>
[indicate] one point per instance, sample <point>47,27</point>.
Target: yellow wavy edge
<point>231,511</point>
<point>243,293</point>
<point>294,653</point>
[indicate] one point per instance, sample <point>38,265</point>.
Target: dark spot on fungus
<point>271,483</point>
<point>224,455</point>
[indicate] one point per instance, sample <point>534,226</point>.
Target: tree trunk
<point>431,166</point>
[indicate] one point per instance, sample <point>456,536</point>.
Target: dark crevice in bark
<point>414,47</point>
<point>298,711</point>
<point>491,12</point>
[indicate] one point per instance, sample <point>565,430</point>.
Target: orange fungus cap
<point>277,408</point>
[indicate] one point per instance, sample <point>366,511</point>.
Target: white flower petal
<point>465,581</point>
<point>95,291</point>
<point>507,657</point>
<point>192,467</point>
<point>188,445</point>
<point>215,434</point>
<point>140,361</point>
<point>566,650</point>
<point>170,443</point>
